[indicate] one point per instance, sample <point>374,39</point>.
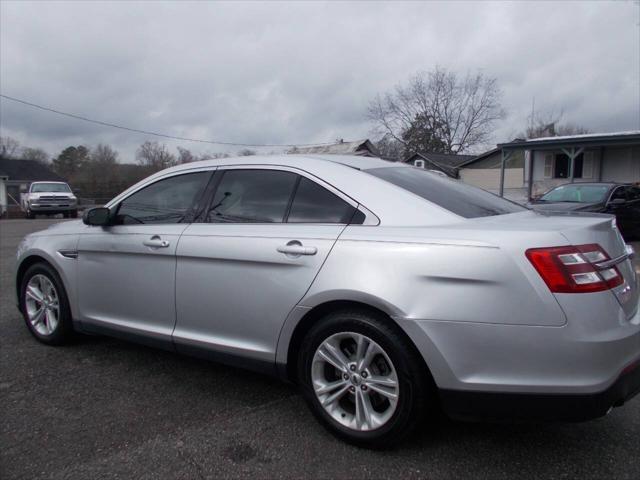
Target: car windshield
<point>50,187</point>
<point>457,197</point>
<point>577,194</point>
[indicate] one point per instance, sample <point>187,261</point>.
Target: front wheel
<point>44,305</point>
<point>362,378</point>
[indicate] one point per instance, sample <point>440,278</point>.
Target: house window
<point>548,165</point>
<point>419,163</point>
<point>560,165</point>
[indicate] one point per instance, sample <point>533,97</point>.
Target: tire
<point>46,330</point>
<point>388,424</point>
<point>30,215</point>
<point>74,214</point>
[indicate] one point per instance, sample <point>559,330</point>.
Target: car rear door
<point>126,272</point>
<point>257,249</point>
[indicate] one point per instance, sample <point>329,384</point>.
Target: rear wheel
<point>44,305</point>
<point>362,379</point>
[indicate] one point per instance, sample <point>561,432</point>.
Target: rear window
<point>457,197</point>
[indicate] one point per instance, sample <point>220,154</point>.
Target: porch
<point>552,161</point>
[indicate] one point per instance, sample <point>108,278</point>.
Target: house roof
<point>482,156</point>
<point>588,139</point>
<point>27,171</point>
<point>445,162</point>
<point>358,147</point>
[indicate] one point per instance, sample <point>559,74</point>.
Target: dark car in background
<point>621,200</point>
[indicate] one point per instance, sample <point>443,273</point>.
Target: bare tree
<point>458,111</point>
<point>185,156</point>
<point>155,156</point>
<point>210,156</point>
<point>246,152</point>
<point>390,148</point>
<point>37,154</point>
<point>9,147</point>
<point>104,156</point>
<point>549,125</point>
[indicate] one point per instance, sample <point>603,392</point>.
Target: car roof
<point>352,161</point>
<point>605,184</point>
<point>357,162</point>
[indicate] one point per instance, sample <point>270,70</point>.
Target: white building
<point>551,161</point>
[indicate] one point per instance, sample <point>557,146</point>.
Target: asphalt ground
<point>103,408</point>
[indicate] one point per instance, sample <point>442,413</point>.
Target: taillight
<point>572,269</point>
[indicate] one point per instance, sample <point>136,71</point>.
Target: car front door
<point>240,271</point>
<point>633,209</point>
<point>126,271</point>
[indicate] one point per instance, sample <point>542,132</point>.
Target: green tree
<point>70,161</point>
<point>99,173</point>
<point>424,135</point>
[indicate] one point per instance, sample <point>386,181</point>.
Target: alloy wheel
<point>355,381</point>
<point>42,304</point>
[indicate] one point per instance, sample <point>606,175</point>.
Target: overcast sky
<point>300,72</point>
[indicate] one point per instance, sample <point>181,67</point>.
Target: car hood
<point>565,206</point>
<point>63,228</point>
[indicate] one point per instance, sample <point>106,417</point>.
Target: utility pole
<point>533,113</point>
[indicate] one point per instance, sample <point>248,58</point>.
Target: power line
<point>147,132</point>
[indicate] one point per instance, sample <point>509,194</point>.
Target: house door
<point>561,167</point>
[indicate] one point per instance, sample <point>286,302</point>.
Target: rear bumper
<point>471,405</point>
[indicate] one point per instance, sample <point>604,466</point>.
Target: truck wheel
<point>30,215</point>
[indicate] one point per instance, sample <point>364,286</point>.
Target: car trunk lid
<point>580,228</point>
<point>601,230</point>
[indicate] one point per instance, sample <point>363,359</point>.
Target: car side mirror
<point>98,216</point>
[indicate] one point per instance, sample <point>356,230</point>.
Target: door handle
<point>156,242</point>
<point>294,249</point>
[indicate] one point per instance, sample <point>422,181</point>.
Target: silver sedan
<point>384,291</point>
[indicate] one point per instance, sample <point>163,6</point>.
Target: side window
<point>619,193</point>
<point>634,193</point>
<point>165,201</point>
<point>252,196</point>
<point>315,204</point>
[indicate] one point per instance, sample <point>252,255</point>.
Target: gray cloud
<point>300,72</point>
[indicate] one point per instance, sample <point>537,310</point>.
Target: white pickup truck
<point>49,198</point>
